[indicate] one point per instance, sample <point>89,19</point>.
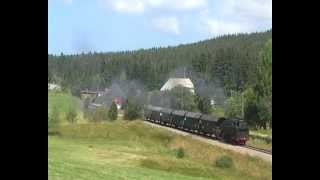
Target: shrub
<point>224,162</point>
<point>113,112</point>
<point>132,109</point>
<point>180,153</point>
<point>203,104</point>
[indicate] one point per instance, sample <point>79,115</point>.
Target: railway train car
<point>230,130</point>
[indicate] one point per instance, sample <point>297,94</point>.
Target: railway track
<point>201,135</point>
<point>259,149</point>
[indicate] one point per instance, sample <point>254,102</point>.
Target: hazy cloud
<point>140,6</point>
<point>167,24</point>
<point>215,17</point>
<point>128,6</point>
<point>215,27</point>
<point>234,16</point>
<point>177,4</point>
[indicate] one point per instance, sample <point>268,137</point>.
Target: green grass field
<point>133,150</point>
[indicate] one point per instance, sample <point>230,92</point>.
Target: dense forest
<point>230,62</point>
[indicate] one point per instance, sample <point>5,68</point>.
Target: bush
<point>180,153</point>
<point>181,98</point>
<point>113,112</point>
<point>203,104</point>
<point>234,105</point>
<point>132,110</point>
<point>224,162</point>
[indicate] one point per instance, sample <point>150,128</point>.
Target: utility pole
<point>242,106</point>
<point>182,98</point>
<point>184,76</point>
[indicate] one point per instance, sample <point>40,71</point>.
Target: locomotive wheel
<point>222,136</point>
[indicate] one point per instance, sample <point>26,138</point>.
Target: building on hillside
<point>174,82</point>
<point>85,94</point>
<point>118,101</point>
<point>114,94</point>
<point>94,106</point>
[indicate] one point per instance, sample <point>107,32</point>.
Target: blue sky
<point>76,26</point>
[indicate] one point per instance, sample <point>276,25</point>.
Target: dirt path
<point>238,149</point>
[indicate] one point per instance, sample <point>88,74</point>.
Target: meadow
<point>133,150</point>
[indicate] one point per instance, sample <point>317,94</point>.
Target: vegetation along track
<point>261,150</point>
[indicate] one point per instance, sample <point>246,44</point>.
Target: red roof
<point>117,100</point>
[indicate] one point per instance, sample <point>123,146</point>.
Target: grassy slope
<point>259,142</point>
<point>266,132</point>
<point>133,150</point>
<point>63,101</point>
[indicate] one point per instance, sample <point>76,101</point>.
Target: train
<point>230,130</point>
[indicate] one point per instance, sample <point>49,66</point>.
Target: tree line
<point>229,60</point>
<point>239,63</point>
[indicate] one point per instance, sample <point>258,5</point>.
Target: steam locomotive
<point>231,130</point>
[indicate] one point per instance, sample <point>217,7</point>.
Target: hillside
<point>228,61</point>
<point>133,150</point>
<point>63,102</point>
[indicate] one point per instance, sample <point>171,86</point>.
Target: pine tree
<point>203,104</point>
<point>113,112</point>
<point>132,109</point>
<point>263,87</point>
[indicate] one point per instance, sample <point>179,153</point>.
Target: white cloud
<point>140,6</point>
<point>260,9</point>
<point>246,9</point>
<point>177,4</point>
<point>215,17</point>
<point>167,25</point>
<point>217,27</point>
<point>234,16</point>
<point>129,6</point>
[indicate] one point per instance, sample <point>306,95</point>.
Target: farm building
<point>114,94</point>
<point>88,94</point>
<point>174,82</point>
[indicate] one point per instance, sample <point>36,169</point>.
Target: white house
<point>174,82</point>
<point>53,86</point>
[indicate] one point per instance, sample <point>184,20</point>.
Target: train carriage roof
<point>154,108</point>
<point>209,118</point>
<point>166,110</point>
<point>193,115</point>
<point>178,112</point>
